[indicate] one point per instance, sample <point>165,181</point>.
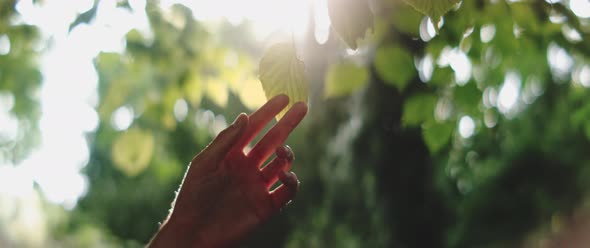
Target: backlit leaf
<point>132,151</point>
<point>395,65</point>
<point>442,76</point>
<point>281,72</point>
<point>344,78</point>
<point>433,8</point>
<point>406,19</point>
<point>467,98</point>
<point>350,19</point>
<point>437,135</point>
<point>418,109</point>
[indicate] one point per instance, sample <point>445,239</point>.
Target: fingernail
<point>294,176</point>
<point>283,96</point>
<point>301,103</point>
<point>285,152</point>
<point>290,154</point>
<point>289,175</point>
<point>239,121</point>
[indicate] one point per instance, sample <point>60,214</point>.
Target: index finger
<point>260,118</point>
<point>278,134</point>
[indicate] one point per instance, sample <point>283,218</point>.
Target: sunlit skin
<point>225,192</point>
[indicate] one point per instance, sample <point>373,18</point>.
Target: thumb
<point>225,140</point>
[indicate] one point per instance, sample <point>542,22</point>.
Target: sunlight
<point>14,182</point>
<point>266,16</point>
<point>582,75</point>
<point>427,30</point>
<point>21,208</point>
<point>466,127</point>
<point>122,118</point>
<point>508,96</point>
<point>180,110</point>
<point>571,34</point>
<point>425,68</point>
<point>6,101</point>
<point>9,125</point>
<point>580,7</point>
<point>487,33</point>
<point>322,21</point>
<point>68,99</point>
<point>458,61</point>
<point>4,44</point>
<point>560,61</point>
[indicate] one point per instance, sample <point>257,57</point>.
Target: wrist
<point>173,233</point>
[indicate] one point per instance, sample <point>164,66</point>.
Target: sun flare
<point>266,16</point>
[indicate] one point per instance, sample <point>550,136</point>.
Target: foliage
<point>345,78</point>
<point>281,72</point>
<point>20,78</point>
<point>389,57</point>
<point>382,157</point>
<point>493,48</point>
<point>85,17</point>
<point>132,151</point>
<point>351,19</point>
<point>434,9</point>
<point>143,80</point>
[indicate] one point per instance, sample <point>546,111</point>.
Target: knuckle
<point>282,151</point>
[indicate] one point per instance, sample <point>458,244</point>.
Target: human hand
<point>225,194</point>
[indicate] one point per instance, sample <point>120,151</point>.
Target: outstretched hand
<point>225,192</point>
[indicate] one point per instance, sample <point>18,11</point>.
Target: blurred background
<point>477,135</point>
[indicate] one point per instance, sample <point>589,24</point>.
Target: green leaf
<point>350,19</point>
<point>587,130</point>
<point>395,65</point>
<point>124,4</point>
<point>344,78</point>
<point>418,109</point>
<point>437,135</point>
<point>281,72</point>
<point>467,98</point>
<point>134,36</point>
<point>132,151</point>
<point>108,62</point>
<point>433,8</point>
<point>85,17</point>
<point>405,19</point>
<point>525,17</point>
<point>442,76</point>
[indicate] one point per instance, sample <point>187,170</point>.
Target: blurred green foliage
<point>382,159</point>
<point>434,9</point>
<point>345,78</point>
<point>20,79</point>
